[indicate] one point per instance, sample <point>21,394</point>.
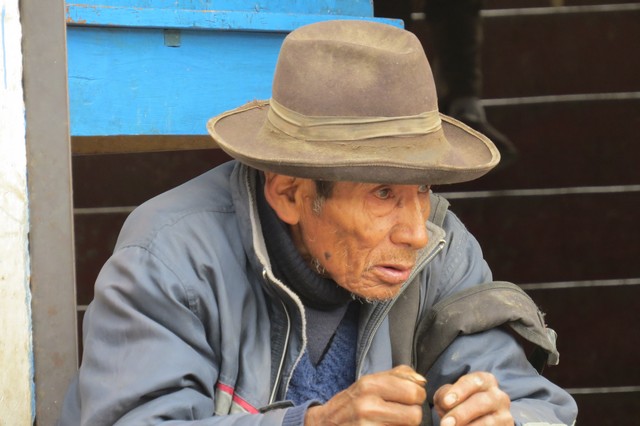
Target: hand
<point>392,397</point>
<point>474,400</point>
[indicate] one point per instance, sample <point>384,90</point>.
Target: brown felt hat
<point>354,101</point>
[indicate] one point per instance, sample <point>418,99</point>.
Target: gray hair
<point>324,189</point>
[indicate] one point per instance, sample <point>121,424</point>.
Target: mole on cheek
<point>327,255</point>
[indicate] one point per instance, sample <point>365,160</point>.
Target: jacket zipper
<point>377,320</point>
<point>265,276</point>
<point>276,383</point>
<point>272,398</point>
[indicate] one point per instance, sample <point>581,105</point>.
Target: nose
<point>411,227</point>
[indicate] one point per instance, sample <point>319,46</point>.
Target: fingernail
<point>417,378</point>
<point>448,421</point>
<point>451,399</point>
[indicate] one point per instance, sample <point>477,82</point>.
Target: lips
<point>393,274</point>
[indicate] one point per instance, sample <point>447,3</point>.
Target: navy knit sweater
<point>335,371</point>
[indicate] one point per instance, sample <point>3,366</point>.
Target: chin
<point>380,295</point>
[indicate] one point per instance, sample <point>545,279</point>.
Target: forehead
<point>364,186</point>
<point>343,187</point>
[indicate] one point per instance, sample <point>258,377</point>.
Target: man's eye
<point>383,193</point>
<point>424,188</point>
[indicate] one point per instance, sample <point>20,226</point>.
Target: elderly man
<point>261,292</point>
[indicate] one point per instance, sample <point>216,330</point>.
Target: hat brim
<point>456,153</point>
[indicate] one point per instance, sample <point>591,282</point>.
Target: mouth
<point>394,274</point>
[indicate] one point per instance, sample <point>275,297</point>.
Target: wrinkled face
<point>364,236</point>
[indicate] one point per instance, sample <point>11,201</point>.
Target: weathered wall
<point>16,392</point>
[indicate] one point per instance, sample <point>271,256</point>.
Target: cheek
<point>345,244</point>
<point>372,235</point>
<point>323,240</point>
<point>351,252</point>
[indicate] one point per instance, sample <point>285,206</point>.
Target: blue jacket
<point>190,326</point>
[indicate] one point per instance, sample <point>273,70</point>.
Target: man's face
<point>364,236</point>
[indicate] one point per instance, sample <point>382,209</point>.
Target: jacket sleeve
<point>147,358</point>
<point>535,400</point>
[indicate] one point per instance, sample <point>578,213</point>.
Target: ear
<point>283,195</point>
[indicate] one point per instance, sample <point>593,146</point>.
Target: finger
<point>438,397</point>
<point>388,413</point>
<point>370,409</point>
<point>408,373</point>
<point>496,419</point>
<point>467,385</point>
<point>490,405</point>
<point>390,386</point>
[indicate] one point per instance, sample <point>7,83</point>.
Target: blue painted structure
<point>165,67</point>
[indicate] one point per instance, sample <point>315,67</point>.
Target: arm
<point>148,355</point>
<point>512,380</point>
<point>533,398</point>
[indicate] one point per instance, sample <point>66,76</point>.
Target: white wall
<point>16,377</point>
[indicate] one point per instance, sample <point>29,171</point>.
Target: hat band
<point>326,128</point>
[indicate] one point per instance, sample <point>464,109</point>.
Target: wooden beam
<point>50,203</point>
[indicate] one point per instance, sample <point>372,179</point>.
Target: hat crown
<point>354,69</point>
<point>354,101</point>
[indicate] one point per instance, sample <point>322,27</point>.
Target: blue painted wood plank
<point>201,19</point>
<point>166,67</point>
<point>129,82</point>
<point>330,7</point>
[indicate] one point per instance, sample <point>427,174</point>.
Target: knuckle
<point>415,394</point>
<point>414,415</point>
<point>420,394</point>
<point>504,418</point>
<point>463,413</point>
<point>487,401</point>
<point>472,379</point>
<point>362,407</point>
<point>402,368</point>
<point>491,379</point>
<point>488,379</point>
<point>501,397</point>
<point>490,421</point>
<point>366,385</point>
